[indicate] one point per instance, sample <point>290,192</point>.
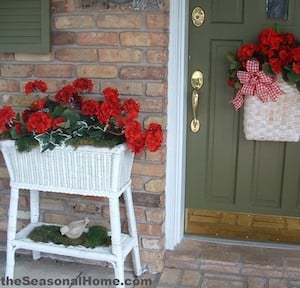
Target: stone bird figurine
<point>74,229</point>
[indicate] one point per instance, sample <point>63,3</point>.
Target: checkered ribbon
<point>257,83</point>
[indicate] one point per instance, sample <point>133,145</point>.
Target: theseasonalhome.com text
<point>79,281</point>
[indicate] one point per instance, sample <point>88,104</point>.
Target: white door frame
<point>176,119</point>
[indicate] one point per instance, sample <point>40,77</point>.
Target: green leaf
<point>57,111</point>
<point>64,125</point>
<point>238,85</point>
<point>293,77</point>
<point>26,143</point>
<point>276,28</point>
<point>267,69</point>
<point>231,57</point>
<point>72,116</point>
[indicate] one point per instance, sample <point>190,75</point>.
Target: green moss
<point>95,236</point>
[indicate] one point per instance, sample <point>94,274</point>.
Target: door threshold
<point>248,243</point>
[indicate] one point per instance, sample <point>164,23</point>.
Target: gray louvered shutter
<point>25,26</point>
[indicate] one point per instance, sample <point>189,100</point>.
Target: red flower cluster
<point>69,116</point>
<point>277,53</point>
<point>278,49</point>
<point>35,86</point>
<point>6,118</point>
<point>72,93</point>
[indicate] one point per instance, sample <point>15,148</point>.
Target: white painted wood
<point>177,75</point>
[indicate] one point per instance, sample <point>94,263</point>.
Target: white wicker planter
<point>86,170</point>
<point>273,121</point>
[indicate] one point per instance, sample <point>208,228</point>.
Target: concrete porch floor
<point>192,264</point>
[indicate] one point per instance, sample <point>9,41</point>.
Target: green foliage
<point>96,236</point>
<point>26,143</point>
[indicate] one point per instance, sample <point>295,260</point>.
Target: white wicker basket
<point>273,121</point>
<point>86,170</point>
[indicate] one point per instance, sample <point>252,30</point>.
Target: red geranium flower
<point>35,86</point>
<point>6,116</point>
<point>90,107</point>
<point>296,68</point>
<point>134,136</point>
<point>296,53</point>
<point>111,95</point>
<point>26,114</point>
<point>108,110</point>
<point>153,137</point>
<point>83,85</point>
<point>246,51</point>
<point>39,122</point>
<point>65,94</point>
<point>131,108</point>
<point>39,104</point>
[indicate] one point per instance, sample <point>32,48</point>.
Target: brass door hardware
<point>198,16</point>
<point>196,82</point>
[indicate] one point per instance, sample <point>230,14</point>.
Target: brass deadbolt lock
<point>198,16</point>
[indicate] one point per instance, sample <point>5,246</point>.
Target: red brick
<point>62,6</point>
<point>155,215</point>
<point>28,57</point>
<point>53,70</point>
<point>156,89</point>
<point>97,71</point>
<point>117,21</point>
<point>74,22</point>
<point>157,56</point>
<point>159,155</point>
<point>16,70</point>
<point>120,55</point>
<point>76,55</point>
<point>148,169</point>
<point>157,21</point>
<point>125,87</point>
<point>137,183</point>
<point>98,38</point>
<point>9,85</point>
<point>148,39</point>
<point>152,105</point>
<point>149,229</point>
<point>144,72</point>
<point>146,199</point>
<point>63,37</point>
<point>155,185</point>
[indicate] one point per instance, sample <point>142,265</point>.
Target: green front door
<point>224,171</point>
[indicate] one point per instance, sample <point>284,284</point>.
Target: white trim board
<point>176,127</point>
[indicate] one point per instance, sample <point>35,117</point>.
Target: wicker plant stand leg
<point>11,232</point>
<point>116,239</point>
<point>133,231</point>
<point>34,215</point>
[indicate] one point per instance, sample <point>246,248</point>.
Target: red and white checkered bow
<point>257,83</point>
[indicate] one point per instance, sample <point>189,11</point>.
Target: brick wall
<point>117,46</point>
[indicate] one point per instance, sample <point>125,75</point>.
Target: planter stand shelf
<point>101,253</point>
<point>94,172</point>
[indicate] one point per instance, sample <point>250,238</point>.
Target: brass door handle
<point>196,82</point>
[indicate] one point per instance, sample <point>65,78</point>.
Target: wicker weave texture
<point>85,170</point>
<point>273,121</point>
